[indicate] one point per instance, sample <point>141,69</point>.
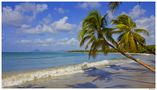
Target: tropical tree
<point>96,35</point>
<point>92,31</point>
<point>129,37</point>
<point>114,5</point>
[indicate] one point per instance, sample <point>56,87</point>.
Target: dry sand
<point>128,75</point>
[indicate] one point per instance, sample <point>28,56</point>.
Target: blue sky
<point>52,26</point>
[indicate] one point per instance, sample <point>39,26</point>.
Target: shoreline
<point>12,79</point>
<point>127,74</point>
<point>115,53</point>
<point>35,69</point>
<point>18,78</point>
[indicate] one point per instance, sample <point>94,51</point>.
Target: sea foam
<point>52,72</point>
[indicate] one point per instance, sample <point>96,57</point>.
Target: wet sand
<point>128,75</point>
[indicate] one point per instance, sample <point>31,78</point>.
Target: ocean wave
<point>51,72</point>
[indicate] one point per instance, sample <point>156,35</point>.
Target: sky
<point>53,26</point>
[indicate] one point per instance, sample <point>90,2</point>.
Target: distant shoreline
<point>80,52</point>
<point>109,52</point>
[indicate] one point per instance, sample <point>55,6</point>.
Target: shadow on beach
<point>30,86</point>
<point>83,85</point>
<point>113,76</point>
<point>109,77</point>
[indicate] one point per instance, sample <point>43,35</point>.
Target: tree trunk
<point>136,60</point>
<point>129,56</point>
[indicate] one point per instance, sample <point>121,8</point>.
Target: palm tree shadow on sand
<point>118,67</point>
<point>83,85</point>
<point>30,86</point>
<point>106,76</point>
<point>99,74</point>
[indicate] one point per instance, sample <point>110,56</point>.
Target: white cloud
<point>39,42</point>
<point>66,41</point>
<point>147,23</point>
<point>31,7</point>
<point>60,10</point>
<point>42,28</point>
<point>25,26</point>
<point>22,13</point>
<point>25,41</point>
<point>49,42</point>
<point>46,42</point>
<point>87,5</point>
<point>137,11</point>
<point>60,25</point>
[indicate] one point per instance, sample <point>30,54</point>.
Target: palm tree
<point>129,37</point>
<point>113,6</point>
<point>92,29</point>
<point>94,33</point>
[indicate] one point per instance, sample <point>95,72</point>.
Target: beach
<point>81,44</point>
<point>100,74</point>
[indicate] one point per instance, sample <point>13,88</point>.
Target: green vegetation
<point>97,36</point>
<point>142,50</point>
<point>149,49</point>
<point>114,5</point>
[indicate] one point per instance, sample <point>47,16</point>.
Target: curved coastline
<point>20,78</point>
<point>12,79</point>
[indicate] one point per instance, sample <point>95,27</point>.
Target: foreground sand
<point>119,75</point>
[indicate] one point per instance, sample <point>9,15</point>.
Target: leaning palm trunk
<point>129,35</point>
<point>129,56</point>
<point>136,60</point>
<point>95,32</point>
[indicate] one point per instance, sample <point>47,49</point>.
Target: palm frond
<point>139,38</point>
<point>85,39</point>
<point>133,44</point>
<point>122,27</point>
<point>92,33</point>
<point>142,31</point>
<point>108,34</point>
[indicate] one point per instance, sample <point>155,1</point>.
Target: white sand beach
<point>101,74</point>
<point>12,79</point>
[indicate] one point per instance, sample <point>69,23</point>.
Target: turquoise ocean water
<point>23,61</point>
